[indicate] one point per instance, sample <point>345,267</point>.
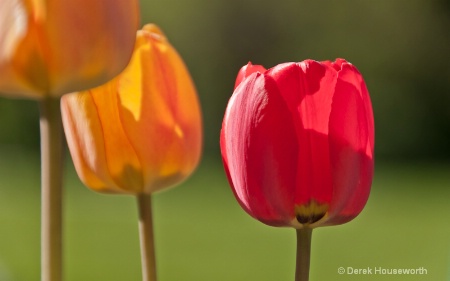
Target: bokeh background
<point>402,48</point>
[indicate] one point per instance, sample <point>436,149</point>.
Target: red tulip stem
<point>148,259</point>
<point>303,254</point>
<point>51,189</point>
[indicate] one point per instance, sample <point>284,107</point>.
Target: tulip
<point>297,144</point>
<point>52,47</point>
<point>140,132</point>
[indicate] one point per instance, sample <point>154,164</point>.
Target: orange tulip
<point>52,47</point>
<point>141,131</point>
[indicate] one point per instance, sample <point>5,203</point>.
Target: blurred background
<point>402,48</point>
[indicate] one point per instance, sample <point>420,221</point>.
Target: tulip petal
<point>164,124</point>
<point>315,178</point>
<point>13,24</point>
<point>260,151</point>
<point>351,75</point>
<point>86,142</point>
<point>122,162</point>
<point>18,48</point>
<point>102,154</point>
<point>104,30</point>
<point>350,136</point>
<point>246,71</point>
<point>307,88</point>
<point>55,47</point>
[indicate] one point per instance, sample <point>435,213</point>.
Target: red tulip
<point>297,143</point>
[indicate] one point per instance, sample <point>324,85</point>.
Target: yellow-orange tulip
<point>53,47</point>
<point>140,132</point>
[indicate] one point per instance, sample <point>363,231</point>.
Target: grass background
<point>202,234</point>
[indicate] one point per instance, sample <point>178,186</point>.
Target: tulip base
<point>146,237</point>
<point>51,188</point>
<point>303,254</point>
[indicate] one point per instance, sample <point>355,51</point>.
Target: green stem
<point>146,237</point>
<point>51,188</point>
<point>303,254</point>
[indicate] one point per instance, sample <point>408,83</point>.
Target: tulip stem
<point>303,254</point>
<point>51,189</point>
<point>148,259</point>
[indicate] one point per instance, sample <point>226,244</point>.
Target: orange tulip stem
<point>148,258</point>
<point>51,188</point>
<point>303,254</point>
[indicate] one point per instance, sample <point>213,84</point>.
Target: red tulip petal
<point>351,135</point>
<point>246,71</point>
<point>350,74</point>
<point>260,151</point>
<point>307,88</point>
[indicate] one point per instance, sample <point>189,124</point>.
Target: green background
<point>401,48</point>
<point>202,233</point>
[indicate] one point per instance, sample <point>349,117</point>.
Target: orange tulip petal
<point>122,162</point>
<point>55,47</point>
<point>86,142</point>
<point>162,117</point>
